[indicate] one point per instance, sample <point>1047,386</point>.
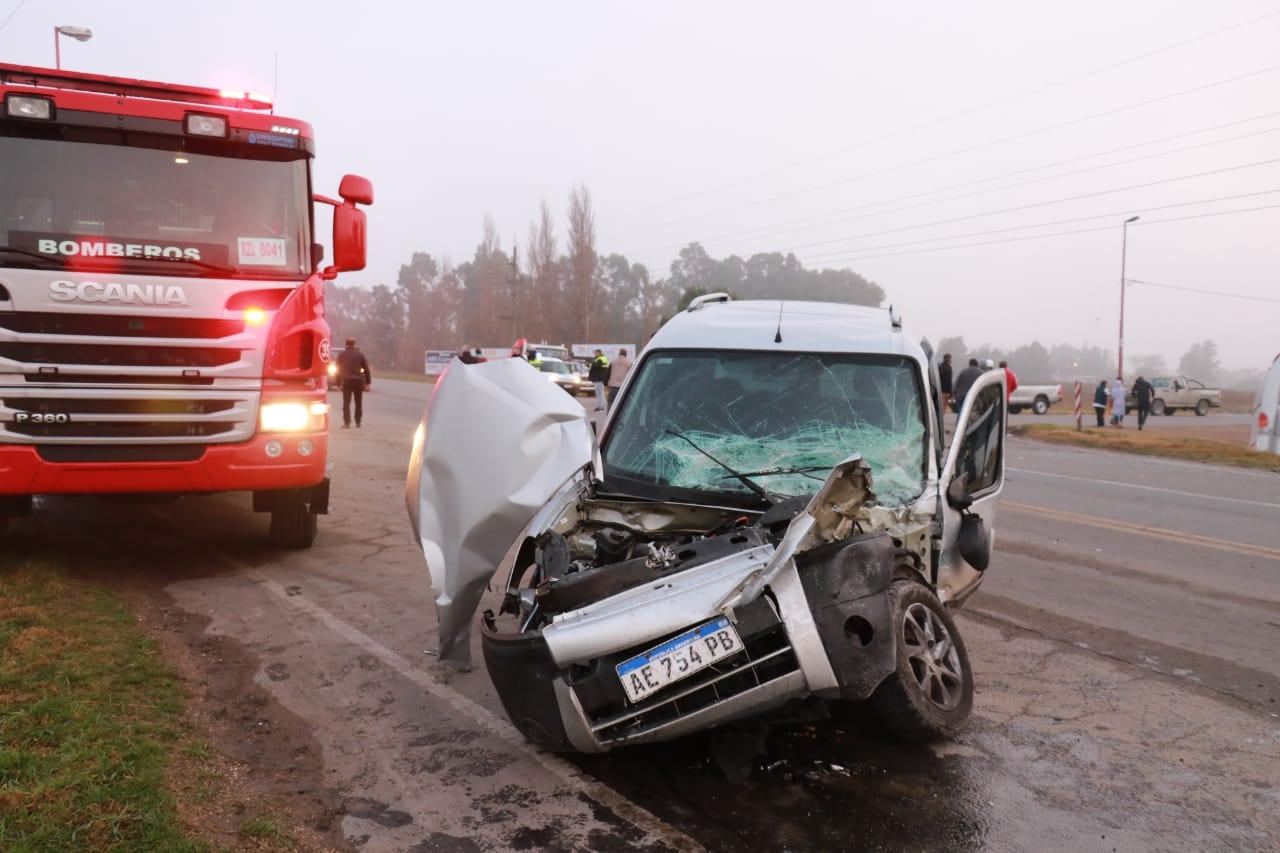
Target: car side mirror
<point>957,496</point>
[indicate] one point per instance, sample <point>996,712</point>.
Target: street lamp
<point>1124,245</point>
<point>77,33</point>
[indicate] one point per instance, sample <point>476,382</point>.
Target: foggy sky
<point>749,126</point>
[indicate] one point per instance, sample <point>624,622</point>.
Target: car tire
<point>1202,408</point>
<point>1015,410</point>
<point>930,693</point>
<point>1040,406</point>
<point>293,525</point>
<point>1158,408</point>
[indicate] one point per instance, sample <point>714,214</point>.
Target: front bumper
<point>119,469</point>
<point>823,628</point>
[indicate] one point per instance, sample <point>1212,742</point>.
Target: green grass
<point>1165,443</point>
<point>88,715</point>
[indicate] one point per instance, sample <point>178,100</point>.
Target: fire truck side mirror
<point>356,190</point>
<point>348,238</point>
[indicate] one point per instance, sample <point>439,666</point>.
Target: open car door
<point>971,481</point>
<point>496,442</point>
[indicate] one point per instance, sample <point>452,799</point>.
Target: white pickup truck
<point>1037,398</point>
<point>1171,393</point>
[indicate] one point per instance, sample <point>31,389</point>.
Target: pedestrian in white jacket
<point>1117,402</point>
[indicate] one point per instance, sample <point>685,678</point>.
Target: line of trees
<point>545,293</point>
<point>1034,363</point>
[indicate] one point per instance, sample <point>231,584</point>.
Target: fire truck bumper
<point>266,462</point>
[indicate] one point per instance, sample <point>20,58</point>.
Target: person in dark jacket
<point>355,378</point>
<point>964,382</point>
<point>944,378</point>
<point>1142,388</point>
<point>1100,402</point>
<point>466,356</point>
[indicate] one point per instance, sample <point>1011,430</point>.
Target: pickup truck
<point>1037,398</point>
<point>1171,393</point>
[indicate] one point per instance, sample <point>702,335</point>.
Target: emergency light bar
<point>127,87</point>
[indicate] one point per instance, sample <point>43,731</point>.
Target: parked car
<point>773,513</point>
<point>1264,424</point>
<point>1038,398</point>
<point>1171,393</point>
<point>563,374</point>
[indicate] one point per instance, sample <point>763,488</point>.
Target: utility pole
<point>513,280</point>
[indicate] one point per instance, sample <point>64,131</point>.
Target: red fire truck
<point>162,328</point>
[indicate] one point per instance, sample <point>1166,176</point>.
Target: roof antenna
<point>777,337</point>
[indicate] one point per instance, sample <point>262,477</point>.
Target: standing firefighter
<point>356,378</point>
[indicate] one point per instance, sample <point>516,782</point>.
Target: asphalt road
<point>1127,693</point>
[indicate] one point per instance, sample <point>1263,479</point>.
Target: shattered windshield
<point>786,418</point>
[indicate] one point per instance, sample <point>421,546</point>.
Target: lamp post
<point>77,33</point>
<point>1124,246</point>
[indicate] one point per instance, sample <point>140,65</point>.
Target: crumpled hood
<point>496,441</point>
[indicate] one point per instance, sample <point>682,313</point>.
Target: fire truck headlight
<point>198,125</point>
<point>274,448</point>
<point>24,106</point>
<point>285,417</point>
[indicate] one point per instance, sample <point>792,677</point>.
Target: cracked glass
<point>780,419</point>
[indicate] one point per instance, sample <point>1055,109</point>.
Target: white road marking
<point>1091,481</point>
<point>562,770</point>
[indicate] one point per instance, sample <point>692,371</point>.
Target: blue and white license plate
<point>679,657</point>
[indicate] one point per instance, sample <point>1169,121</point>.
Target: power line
<point>1035,204</point>
<point>1111,215</point>
<point>826,218</point>
<point>1199,290</point>
<point>969,150</point>
<point>998,102</point>
<point>11,14</point>
<point>861,257</point>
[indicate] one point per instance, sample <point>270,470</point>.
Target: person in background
<point>478,356</point>
<point>1100,402</point>
<point>944,378</point>
<point>618,371</point>
<point>964,382</point>
<point>1117,403</point>
<point>1010,379</point>
<point>1142,388</point>
<point>599,375</point>
<point>355,378</point>
<point>466,356</point>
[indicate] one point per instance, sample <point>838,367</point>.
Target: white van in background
<point>1264,433</point>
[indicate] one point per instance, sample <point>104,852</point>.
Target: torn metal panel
<point>495,443</point>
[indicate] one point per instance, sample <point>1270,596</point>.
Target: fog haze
<point>854,136</point>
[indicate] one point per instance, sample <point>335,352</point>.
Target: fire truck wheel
<point>293,525</point>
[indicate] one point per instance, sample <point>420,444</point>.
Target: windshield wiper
<point>742,478</point>
<point>45,260</point>
<point>192,264</point>
<point>806,470</point>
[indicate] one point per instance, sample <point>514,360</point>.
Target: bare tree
<point>582,258</point>
<point>544,274</point>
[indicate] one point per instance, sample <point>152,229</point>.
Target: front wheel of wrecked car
<point>930,693</point>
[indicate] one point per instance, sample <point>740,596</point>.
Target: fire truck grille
<point>54,415</point>
<point>115,355</point>
<point>137,429</point>
<point>97,325</point>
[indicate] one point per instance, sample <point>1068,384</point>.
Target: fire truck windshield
<point>93,206</point>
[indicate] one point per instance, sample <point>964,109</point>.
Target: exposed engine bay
<point>557,572</point>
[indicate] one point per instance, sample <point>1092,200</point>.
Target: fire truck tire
<point>293,525</point>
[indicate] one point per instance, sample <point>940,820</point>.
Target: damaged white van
<point>773,512</point>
